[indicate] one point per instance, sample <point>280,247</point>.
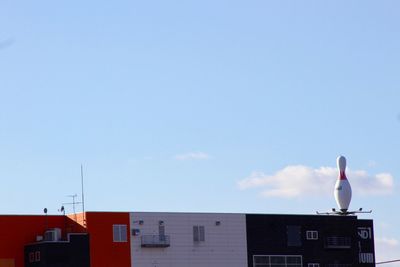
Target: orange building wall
<point>79,218</point>
<point>103,251</point>
<point>18,230</point>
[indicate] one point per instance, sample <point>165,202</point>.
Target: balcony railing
<point>155,241</point>
<point>337,242</point>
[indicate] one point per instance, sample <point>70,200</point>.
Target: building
<point>163,239</point>
<point>20,233</point>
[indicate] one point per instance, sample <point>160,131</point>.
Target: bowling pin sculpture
<point>342,187</point>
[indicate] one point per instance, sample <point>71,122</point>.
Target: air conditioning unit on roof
<point>52,235</point>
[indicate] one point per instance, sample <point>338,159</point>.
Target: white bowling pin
<point>342,187</point>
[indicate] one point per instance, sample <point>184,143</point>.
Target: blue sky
<point>174,105</point>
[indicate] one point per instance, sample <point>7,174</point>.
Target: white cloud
<point>300,180</point>
<point>387,241</point>
<point>386,249</point>
<point>193,156</point>
<point>384,225</point>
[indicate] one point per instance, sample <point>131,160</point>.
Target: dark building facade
<point>309,240</point>
<point>74,252</point>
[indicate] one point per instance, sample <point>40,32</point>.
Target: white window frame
<point>312,235</point>
<point>120,233</point>
<point>286,264</point>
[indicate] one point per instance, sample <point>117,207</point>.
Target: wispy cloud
<point>192,156</point>
<point>386,249</point>
<point>387,241</point>
<point>6,43</point>
<point>299,181</point>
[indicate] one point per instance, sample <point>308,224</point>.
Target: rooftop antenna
<point>83,199</point>
<point>62,210</point>
<point>342,192</point>
<point>73,203</point>
<point>47,219</point>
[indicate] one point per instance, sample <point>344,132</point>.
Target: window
<point>161,232</point>
<point>31,257</point>
<point>37,256</point>
<point>277,261</point>
<point>120,233</point>
<point>338,242</point>
<point>312,235</point>
<point>313,265</point>
<point>293,236</point>
<point>198,233</point>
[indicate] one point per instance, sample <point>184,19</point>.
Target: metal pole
<point>83,199</point>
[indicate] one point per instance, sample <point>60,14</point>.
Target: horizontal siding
<point>225,244</point>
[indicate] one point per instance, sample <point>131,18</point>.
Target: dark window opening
<point>293,236</point>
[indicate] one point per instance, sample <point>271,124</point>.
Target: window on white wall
<point>199,233</point>
<point>161,232</point>
<point>120,233</point>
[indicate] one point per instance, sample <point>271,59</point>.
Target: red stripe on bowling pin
<point>342,175</point>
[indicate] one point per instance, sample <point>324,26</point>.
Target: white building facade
<point>188,239</point>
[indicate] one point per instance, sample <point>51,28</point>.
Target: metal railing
<point>155,241</point>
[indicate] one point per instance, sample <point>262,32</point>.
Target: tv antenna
<point>73,203</point>
<point>83,199</point>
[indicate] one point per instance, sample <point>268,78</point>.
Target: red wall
<point>18,230</point>
<point>103,251</point>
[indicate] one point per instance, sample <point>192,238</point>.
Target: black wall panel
<point>342,240</point>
